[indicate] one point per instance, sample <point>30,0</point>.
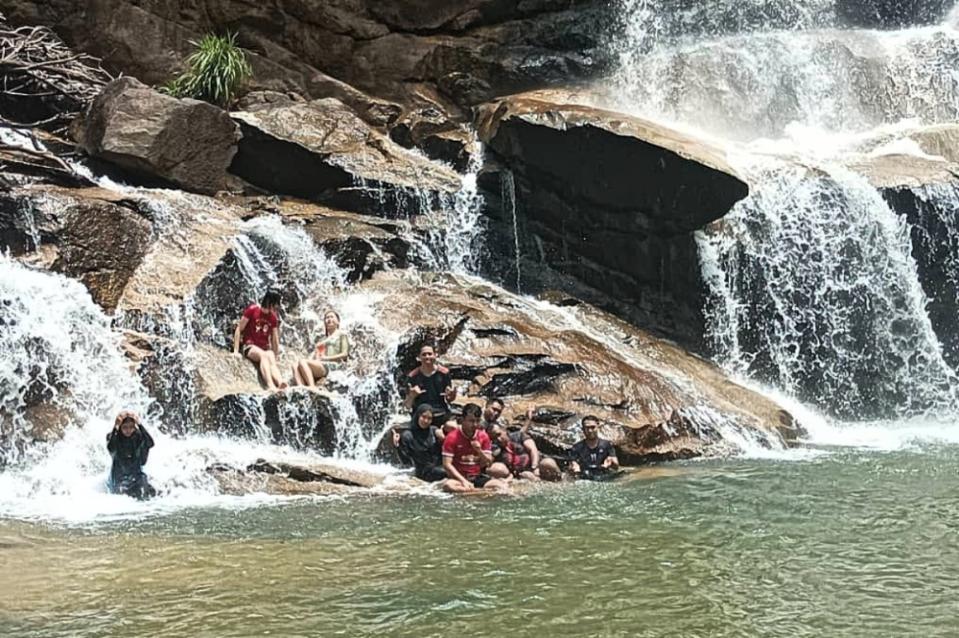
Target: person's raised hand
<point>417,390</point>
<point>477,446</point>
<point>396,438</point>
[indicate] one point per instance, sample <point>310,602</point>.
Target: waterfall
<point>814,289</point>
<point>815,284</point>
<point>451,225</point>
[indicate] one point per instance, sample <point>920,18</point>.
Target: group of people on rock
<point>475,450</point>
<point>257,338</point>
<point>470,451</point>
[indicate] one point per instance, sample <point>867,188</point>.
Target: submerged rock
<point>282,478</point>
<point>603,206</point>
<point>184,142</point>
<point>323,151</point>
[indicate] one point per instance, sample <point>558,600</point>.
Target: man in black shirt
<point>430,383</point>
<point>593,457</point>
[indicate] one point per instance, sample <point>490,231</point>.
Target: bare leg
<point>317,370</point>
<point>496,484</point>
<point>453,486</point>
<point>301,373</point>
<point>549,470</point>
<point>529,476</point>
<point>278,374</point>
<point>297,379</point>
<point>498,471</point>
<point>262,359</point>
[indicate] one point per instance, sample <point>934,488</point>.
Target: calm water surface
<point>848,544</point>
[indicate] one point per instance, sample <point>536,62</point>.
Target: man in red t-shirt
<point>259,329</point>
<point>466,453</point>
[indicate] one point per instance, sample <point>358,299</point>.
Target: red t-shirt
<point>460,448</point>
<point>259,326</point>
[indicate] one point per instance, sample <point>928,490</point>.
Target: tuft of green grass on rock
<point>215,72</point>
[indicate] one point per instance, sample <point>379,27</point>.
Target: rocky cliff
<point>407,51</point>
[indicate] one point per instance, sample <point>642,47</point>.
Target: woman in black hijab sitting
<point>422,446</point>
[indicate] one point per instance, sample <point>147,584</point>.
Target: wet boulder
<point>293,478</point>
<point>603,206</point>
<point>363,245</point>
<point>231,399</point>
<point>185,142</point>
<point>559,364</point>
<point>321,150</point>
<point>436,134</point>
<point>93,235</point>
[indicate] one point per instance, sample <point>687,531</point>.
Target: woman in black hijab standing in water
<point>422,446</point>
<point>129,444</point>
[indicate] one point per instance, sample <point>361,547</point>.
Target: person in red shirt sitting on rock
<point>259,329</point>
<point>466,453</point>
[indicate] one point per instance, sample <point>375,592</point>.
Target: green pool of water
<point>849,544</point>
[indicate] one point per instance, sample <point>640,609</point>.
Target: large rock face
<point>184,142</point>
<point>321,150</point>
<point>657,402</point>
<point>92,235</point>
<point>608,201</point>
<point>469,51</point>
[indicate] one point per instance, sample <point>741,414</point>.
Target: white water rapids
<point>814,290</point>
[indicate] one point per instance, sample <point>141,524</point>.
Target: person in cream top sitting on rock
<point>329,355</point>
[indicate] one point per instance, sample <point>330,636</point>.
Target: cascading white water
<point>814,288</point>
<point>64,371</point>
<point>452,223</point>
<point>813,284</point>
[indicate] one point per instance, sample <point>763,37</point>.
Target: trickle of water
<point>508,194</point>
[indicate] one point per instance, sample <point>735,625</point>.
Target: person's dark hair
<point>271,298</point>
<point>330,311</point>
<point>471,409</point>
<point>424,407</point>
<point>493,400</point>
<point>589,418</point>
<point>426,345</point>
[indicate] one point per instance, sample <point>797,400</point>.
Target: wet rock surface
<point>321,150</point>
<point>284,478</point>
<point>603,206</point>
<point>92,235</point>
<point>183,142</point>
<point>656,401</point>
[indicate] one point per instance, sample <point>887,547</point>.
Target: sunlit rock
<point>184,142</point>
<point>322,150</point>
<point>93,235</point>
<point>656,401</point>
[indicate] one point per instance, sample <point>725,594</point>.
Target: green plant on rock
<point>215,71</point>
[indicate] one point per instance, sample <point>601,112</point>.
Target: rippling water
<point>845,544</point>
